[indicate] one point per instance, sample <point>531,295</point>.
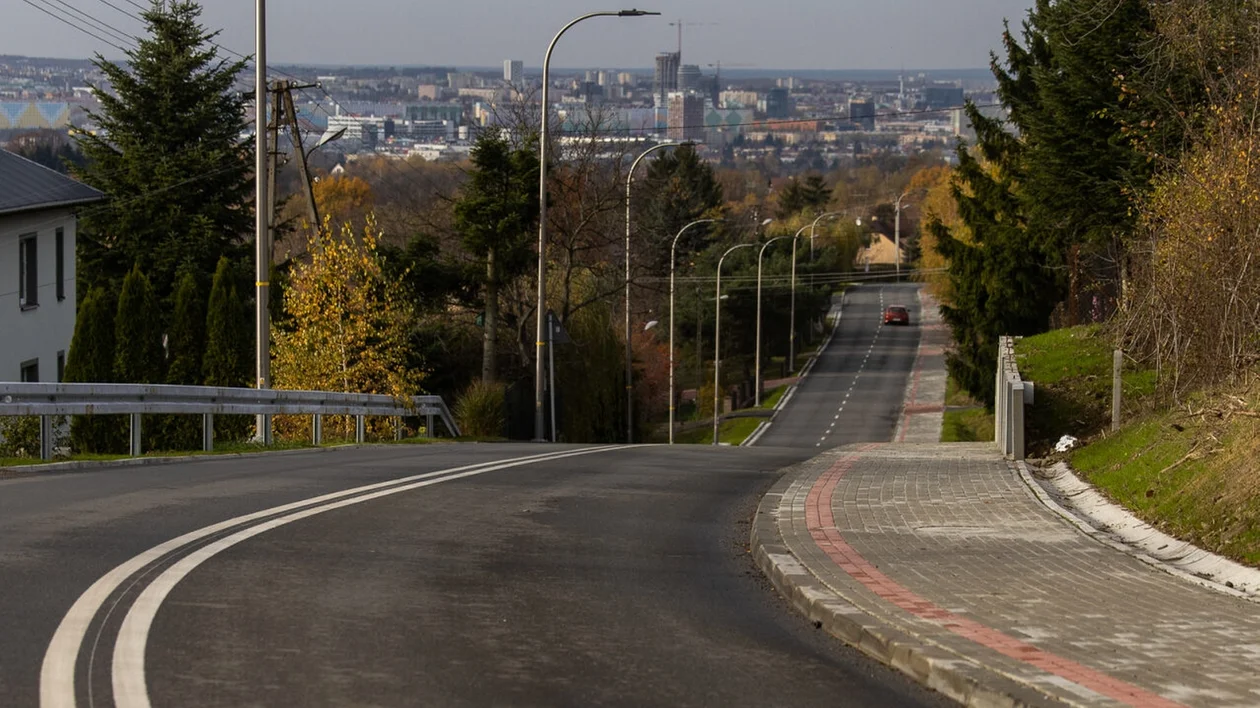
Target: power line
<point>97,23</point>
<point>61,19</point>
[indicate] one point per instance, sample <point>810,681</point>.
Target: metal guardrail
<point>1012,394</point>
<point>48,399</point>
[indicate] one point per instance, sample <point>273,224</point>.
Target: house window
<point>30,371</point>
<point>28,272</point>
<point>60,247</point>
<point>61,366</point>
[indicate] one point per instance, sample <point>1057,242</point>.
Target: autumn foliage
<point>348,322</point>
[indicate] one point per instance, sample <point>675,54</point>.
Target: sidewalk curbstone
<point>1081,505</point>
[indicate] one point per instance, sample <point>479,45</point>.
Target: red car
<point>896,314</point>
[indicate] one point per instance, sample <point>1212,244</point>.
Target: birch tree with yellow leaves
<point>348,322</point>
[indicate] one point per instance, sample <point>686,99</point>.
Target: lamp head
<point>635,13</point>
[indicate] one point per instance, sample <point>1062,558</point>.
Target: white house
<point>37,266</point>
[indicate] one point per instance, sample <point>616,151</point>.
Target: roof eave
<point>49,206</point>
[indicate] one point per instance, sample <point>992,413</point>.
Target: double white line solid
<point>57,675</point>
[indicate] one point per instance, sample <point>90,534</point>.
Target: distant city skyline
<point>801,34</point>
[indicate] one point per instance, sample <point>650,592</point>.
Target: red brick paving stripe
<point>821,524</point>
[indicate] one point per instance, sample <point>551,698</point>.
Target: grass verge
<point>733,431</point>
<point>1190,470</point>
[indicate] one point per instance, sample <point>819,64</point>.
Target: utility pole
<point>286,88</point>
<point>262,242</point>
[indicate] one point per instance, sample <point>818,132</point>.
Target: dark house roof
<point>28,186</point>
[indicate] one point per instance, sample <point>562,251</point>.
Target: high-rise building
<point>625,78</point>
<point>777,103</point>
<point>688,77</point>
<point>666,77</point>
<point>686,116</point>
<point>862,112</point>
<point>606,78</point>
<point>942,96</point>
<point>513,71</point>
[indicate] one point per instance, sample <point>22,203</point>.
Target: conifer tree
<point>679,188</point>
<point>170,156</point>
<point>185,345</point>
<point>91,360</point>
<point>495,216</point>
<point>138,355</point>
<point>226,361</point>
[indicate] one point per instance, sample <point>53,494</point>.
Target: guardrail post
<point>265,435</point>
<point>45,437</point>
<point>428,426</point>
<point>360,432</point>
<point>317,429</point>
<point>1017,420</point>
<point>999,423</point>
<point>398,428</point>
<point>135,435</point>
<point>1117,366</point>
<point>207,432</point>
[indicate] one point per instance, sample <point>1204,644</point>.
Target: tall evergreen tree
<point>91,360</point>
<point>1062,173</point>
<point>226,361</point>
<point>169,154</point>
<point>808,195</point>
<point>495,216</point>
<point>138,355</point>
<point>185,345</point>
<point>228,339</point>
<point>680,187</point>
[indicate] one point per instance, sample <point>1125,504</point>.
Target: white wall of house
<point>39,333</point>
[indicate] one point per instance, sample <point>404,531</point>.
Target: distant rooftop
<point>28,186</point>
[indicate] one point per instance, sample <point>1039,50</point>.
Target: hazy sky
<point>781,34</point>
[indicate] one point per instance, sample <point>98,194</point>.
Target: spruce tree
<point>226,361</point>
<point>170,156</point>
<point>91,360</point>
<point>679,188</point>
<point>495,216</point>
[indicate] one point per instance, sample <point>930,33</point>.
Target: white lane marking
<point>130,689</point>
<point>56,676</point>
<point>837,417</point>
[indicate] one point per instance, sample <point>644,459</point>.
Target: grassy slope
<point>965,420</point>
<point>1190,470</point>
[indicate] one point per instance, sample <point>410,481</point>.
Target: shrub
<point>480,410</point>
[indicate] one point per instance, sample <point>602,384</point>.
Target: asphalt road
<point>379,576</point>
<point>855,390</point>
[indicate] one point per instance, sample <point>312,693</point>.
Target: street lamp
<point>815,224</point>
<point>672,247</point>
<point>629,353</point>
<point>539,371</point>
<point>791,360</point>
<point>757,349</point>
<point>717,337</point>
<point>897,230</point>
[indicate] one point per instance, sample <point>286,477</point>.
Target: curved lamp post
<point>791,360</point>
<point>757,355</point>
<point>629,353</point>
<point>539,370</point>
<point>717,339</point>
<point>672,248</point>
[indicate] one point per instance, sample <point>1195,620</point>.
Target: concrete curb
<point>1077,502</point>
<point>953,675</point>
<point>80,465</point>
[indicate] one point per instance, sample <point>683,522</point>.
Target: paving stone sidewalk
<point>939,560</point>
